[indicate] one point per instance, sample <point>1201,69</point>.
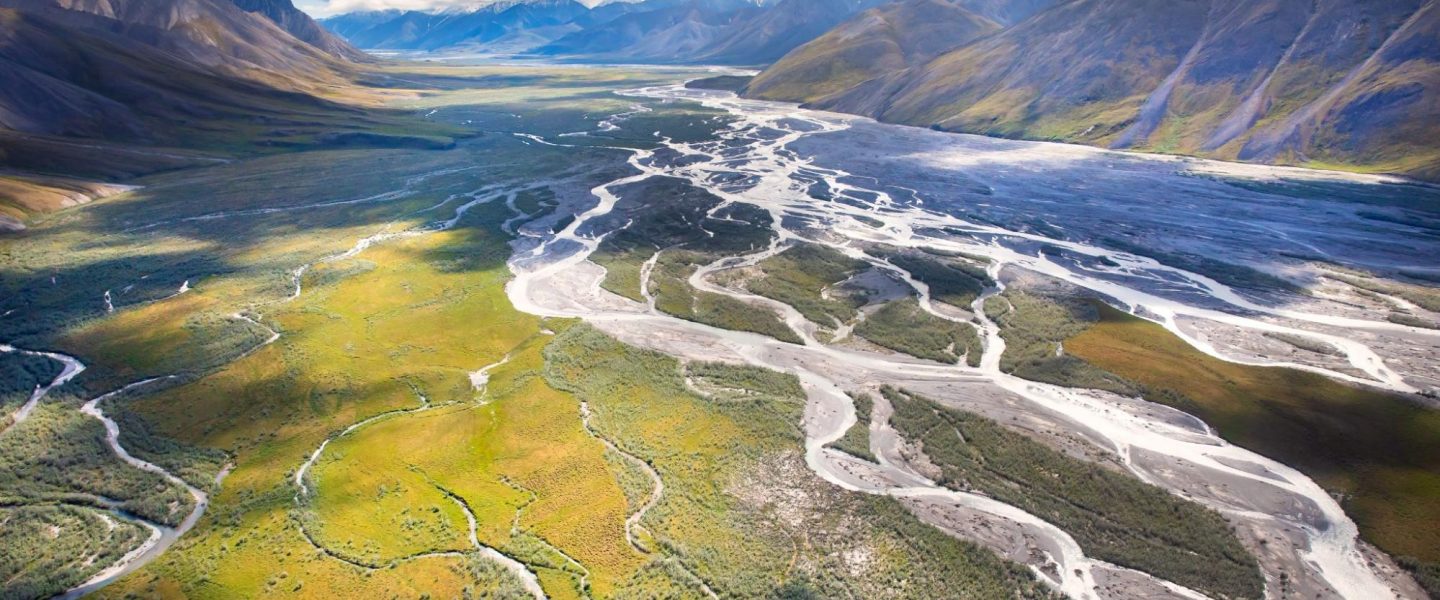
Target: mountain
<point>769,34</point>
<point>1327,82</point>
<point>96,91</point>
<point>860,62</point>
<point>350,24</point>
<point>706,31</point>
<point>301,26</point>
<point>505,26</point>
<point>1008,12</point>
<point>655,31</point>
<point>217,34</point>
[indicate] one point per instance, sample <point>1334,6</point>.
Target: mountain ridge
<point>92,90</point>
<point>654,31</point>
<point>1350,84</point>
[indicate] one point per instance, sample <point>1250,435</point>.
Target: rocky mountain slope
<point>219,34</point>
<point>1343,83</point>
<point>861,62</point>
<point>298,24</point>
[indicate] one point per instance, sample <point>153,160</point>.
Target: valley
<point>609,341</point>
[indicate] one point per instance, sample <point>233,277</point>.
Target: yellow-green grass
<point>352,348</point>
<point>1378,450</point>
<point>409,314</point>
<point>139,339</point>
<point>799,277</point>
<point>740,510</point>
<point>523,436</point>
<point>182,333</point>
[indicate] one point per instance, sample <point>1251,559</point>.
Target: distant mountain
<point>706,31</point>
<point>1321,82</point>
<point>503,26</point>
<point>351,24</point>
<point>656,31</point>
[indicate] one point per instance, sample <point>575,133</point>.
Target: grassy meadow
<point>411,315</point>
<point>1380,452</point>
<point>1113,516</point>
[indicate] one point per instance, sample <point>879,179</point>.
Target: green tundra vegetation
<point>743,380</point>
<point>1035,327</point>
<point>671,209</point>
<point>366,334</point>
<point>952,280</point>
<point>903,326</point>
<point>60,454</point>
<point>19,375</point>
<point>801,275</point>
<point>1113,516</point>
<point>1379,451</point>
<point>676,297</point>
<point>46,549</point>
<point>1305,343</point>
<point>740,510</point>
<point>856,440</point>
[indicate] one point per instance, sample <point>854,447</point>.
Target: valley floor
<point>617,344</point>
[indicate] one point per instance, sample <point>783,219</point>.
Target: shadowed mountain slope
<point>1318,82</point>
<point>95,91</point>
<point>214,33</point>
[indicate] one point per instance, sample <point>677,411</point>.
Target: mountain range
<point>1328,83</point>
<point>503,26</point>
<point>736,32</point>
<point>1335,83</point>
